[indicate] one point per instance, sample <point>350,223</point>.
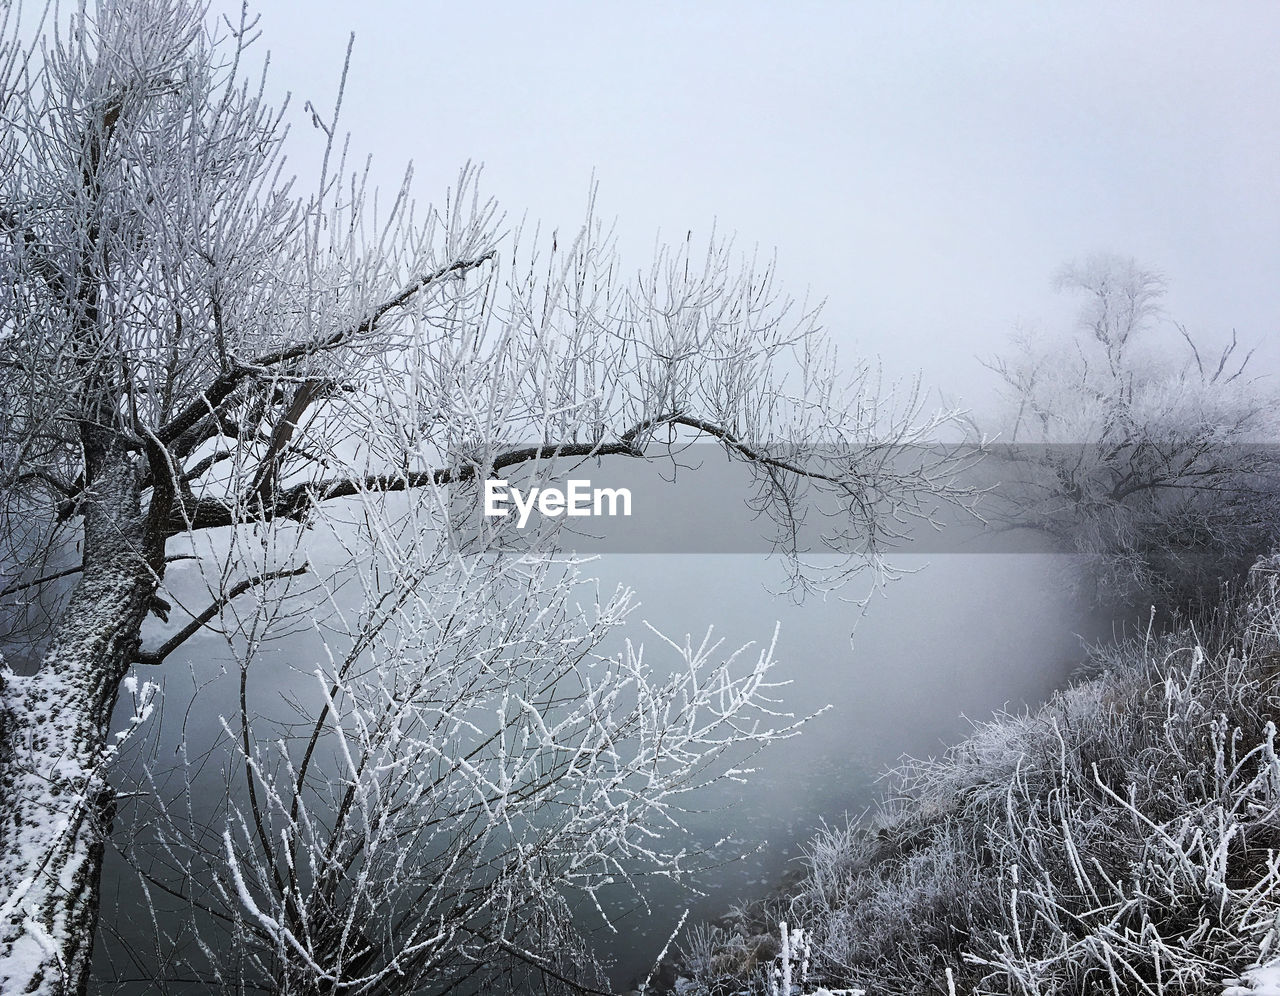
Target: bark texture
<point>57,807</point>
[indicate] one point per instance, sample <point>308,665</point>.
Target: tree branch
<point>294,502</point>
<point>13,589</point>
<point>211,399</point>
<point>528,958</point>
<point>183,635</point>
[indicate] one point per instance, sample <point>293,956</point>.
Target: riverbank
<point>1123,838</point>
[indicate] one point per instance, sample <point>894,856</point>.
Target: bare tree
<point>1136,449</point>
<point>295,394</point>
<point>476,774</point>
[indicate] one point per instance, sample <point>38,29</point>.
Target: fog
<point>924,170</point>
<point>952,640</point>
<point>940,648</point>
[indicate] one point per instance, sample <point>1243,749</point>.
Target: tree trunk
<point>55,805</point>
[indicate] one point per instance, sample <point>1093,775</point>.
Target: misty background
<point>922,169</point>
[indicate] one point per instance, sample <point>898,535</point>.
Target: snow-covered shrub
<point>733,956</point>
<point>709,957</point>
<point>469,796</point>
<point>719,962</point>
<point>1125,838</point>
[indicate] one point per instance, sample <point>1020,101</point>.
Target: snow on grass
<point>1124,838</point>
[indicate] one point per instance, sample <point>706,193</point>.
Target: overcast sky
<point>923,167</point>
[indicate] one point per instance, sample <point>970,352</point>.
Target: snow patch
<point>1261,981</point>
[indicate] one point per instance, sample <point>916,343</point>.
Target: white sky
<point>923,167</point>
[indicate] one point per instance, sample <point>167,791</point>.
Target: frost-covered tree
<point>1136,448</point>
<point>293,395</point>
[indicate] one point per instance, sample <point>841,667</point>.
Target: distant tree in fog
<point>1136,446</point>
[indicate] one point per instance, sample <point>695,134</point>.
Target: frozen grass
<point>1125,838</point>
